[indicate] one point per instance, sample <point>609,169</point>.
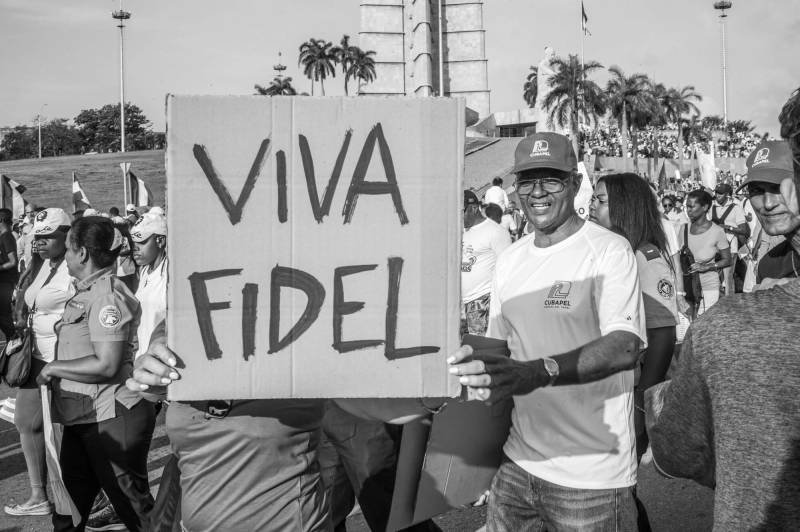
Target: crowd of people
<point>606,140</point>
<point>589,308</point>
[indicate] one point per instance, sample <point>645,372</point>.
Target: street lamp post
<point>122,16</point>
<point>39,125</point>
<point>722,6</point>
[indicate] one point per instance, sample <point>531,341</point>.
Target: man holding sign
<point>568,302</point>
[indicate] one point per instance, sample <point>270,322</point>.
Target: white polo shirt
<point>549,301</point>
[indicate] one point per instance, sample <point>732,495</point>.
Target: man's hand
<point>496,377</point>
<point>154,370</point>
<point>701,267</point>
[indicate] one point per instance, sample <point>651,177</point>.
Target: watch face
<point>551,366</point>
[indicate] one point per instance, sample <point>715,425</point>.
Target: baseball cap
<point>91,212</point>
<point>545,150</point>
<point>470,198</point>
<point>723,188</point>
<point>48,221</point>
<point>770,162</point>
<point>149,224</point>
<point>130,208</point>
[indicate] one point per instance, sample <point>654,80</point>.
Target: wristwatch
<point>551,367</point>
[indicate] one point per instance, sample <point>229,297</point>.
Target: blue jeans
<point>521,502</point>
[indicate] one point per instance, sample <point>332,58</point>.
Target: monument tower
<point>427,48</point>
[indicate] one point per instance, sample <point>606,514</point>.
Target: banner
<point>315,245</point>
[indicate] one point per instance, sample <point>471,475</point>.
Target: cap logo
<point>762,156</point>
<point>541,148</point>
<point>41,216</point>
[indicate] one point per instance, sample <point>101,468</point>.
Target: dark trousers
<point>112,455</point>
<point>6,311</point>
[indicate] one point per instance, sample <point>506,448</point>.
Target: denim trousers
<point>521,502</point>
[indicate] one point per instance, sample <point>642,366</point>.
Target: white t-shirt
<point>152,295</point>
<point>549,301</point>
<point>48,303</point>
<point>480,246</point>
<point>678,218</point>
<point>497,196</point>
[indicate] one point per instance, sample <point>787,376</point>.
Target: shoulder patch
<point>109,316</point>
<point>665,289</point>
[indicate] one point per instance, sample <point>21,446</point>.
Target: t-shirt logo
<point>762,156</point>
<point>558,297</point>
<point>109,316</point>
<point>468,259</point>
<point>41,216</point>
<point>540,148</point>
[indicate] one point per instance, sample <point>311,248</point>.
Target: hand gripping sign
<point>314,245</point>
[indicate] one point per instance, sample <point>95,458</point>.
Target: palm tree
<point>740,126</point>
<point>362,67</point>
<point>530,91</point>
<point>677,104</point>
<point>573,96</point>
<point>280,86</point>
<point>318,58</point>
<point>344,56</point>
<point>629,100</point>
<point>713,123</point>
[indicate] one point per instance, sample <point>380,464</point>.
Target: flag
<point>708,170</point>
<point>584,20</point>
<point>140,192</point>
<point>12,197</point>
<point>79,199</point>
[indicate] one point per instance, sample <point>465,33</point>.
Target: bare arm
<point>98,368</point>
<point>499,377</point>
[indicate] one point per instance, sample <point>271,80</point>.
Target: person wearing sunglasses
<point>567,301</point>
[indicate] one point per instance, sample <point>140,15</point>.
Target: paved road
<point>671,504</point>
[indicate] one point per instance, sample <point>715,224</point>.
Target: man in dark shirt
<point>8,272</point>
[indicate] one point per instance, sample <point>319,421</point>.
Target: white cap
<point>49,220</point>
<point>149,224</point>
<point>91,212</point>
<point>157,210</point>
<point>130,208</point>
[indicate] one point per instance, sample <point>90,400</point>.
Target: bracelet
<point>430,410</point>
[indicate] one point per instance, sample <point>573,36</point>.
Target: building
<point>427,48</point>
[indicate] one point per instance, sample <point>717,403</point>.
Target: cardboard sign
<point>314,245</point>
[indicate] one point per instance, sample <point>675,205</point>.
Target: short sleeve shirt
<point>47,302</point>
<point>480,246</point>
<point>658,288</point>
<point>103,309</point>
<point>549,301</point>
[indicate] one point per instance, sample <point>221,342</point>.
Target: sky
<point>59,57</point>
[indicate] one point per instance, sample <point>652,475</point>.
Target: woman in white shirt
<point>149,236</point>
<point>45,299</point>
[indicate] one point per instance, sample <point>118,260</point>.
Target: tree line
<point>635,102</point>
<point>320,59</point>
<point>92,131</point>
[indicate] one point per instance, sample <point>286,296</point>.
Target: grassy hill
<point>49,180</point>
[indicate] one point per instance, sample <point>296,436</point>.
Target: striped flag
<point>584,20</point>
<point>140,192</point>
<point>79,199</point>
<point>12,197</point>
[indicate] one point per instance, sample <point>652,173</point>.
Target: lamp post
<point>121,16</point>
<point>721,6</point>
<point>39,125</point>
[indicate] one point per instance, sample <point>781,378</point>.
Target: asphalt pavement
<point>672,505</point>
